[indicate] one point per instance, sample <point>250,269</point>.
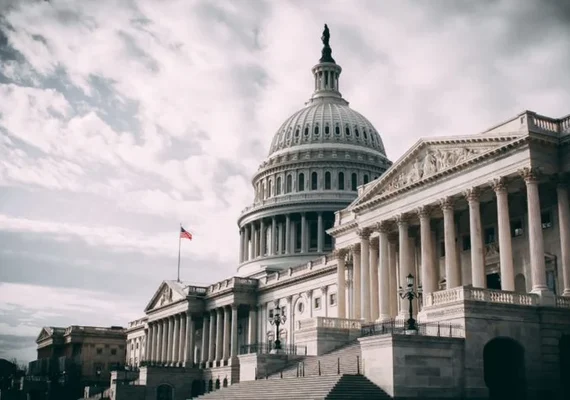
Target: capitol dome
<point>317,160</point>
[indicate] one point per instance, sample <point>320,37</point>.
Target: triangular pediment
<point>166,294</point>
<point>430,158</point>
<point>48,332</point>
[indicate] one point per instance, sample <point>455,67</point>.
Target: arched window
<point>341,181</point>
<point>337,130</point>
<point>327,180</point>
<point>297,132</point>
<point>356,133</point>
<point>289,184</point>
<point>316,129</point>
<point>365,179</point>
<point>327,130</point>
<point>278,186</point>
<point>314,181</point>
<point>365,134</point>
<point>269,182</point>
<point>347,131</point>
<point>354,181</point>
<point>306,130</point>
<point>301,182</point>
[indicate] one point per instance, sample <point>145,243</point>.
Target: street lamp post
<point>277,320</point>
<point>409,294</point>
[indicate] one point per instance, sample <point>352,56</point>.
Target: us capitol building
<point>475,229</point>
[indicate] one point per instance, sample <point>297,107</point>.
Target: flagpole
<point>179,240</point>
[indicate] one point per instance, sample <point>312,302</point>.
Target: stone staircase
<point>333,387</point>
<point>348,358</point>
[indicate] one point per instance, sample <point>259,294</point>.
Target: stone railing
<point>137,322</point>
<point>561,125</point>
<point>296,271</point>
<point>197,290</point>
<point>325,322</point>
<point>231,283</point>
<point>477,294</point>
<point>562,302</point>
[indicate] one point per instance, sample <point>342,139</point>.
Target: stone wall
<point>261,364</point>
<point>410,366</point>
<point>180,379</point>
<point>322,340</point>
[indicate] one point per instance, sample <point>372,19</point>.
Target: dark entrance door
<point>564,346</point>
<point>494,281</point>
<point>164,392</point>
<point>504,369</point>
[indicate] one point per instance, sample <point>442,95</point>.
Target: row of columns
<point>372,281</point>
<point>171,340</point>
<point>253,239</point>
<point>220,335</point>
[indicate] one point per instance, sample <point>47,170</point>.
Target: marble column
<point>478,275</point>
<point>393,267</point>
<point>169,342</point>
<point>535,236</point>
<point>182,340</point>
<point>219,333</point>
<point>212,337</point>
<point>287,234</point>
<point>309,294</point>
<point>189,341</point>
<point>273,249</point>
<point>262,238</point>
<point>304,241</point>
<point>499,185</point>
<point>160,341</point>
<point>261,318</point>
<point>340,255</point>
<point>365,274</point>
<point>149,343</point>
<point>205,336</point>
<point>383,273</point>
<point>564,224</point>
<point>241,241</point>
<point>280,243</point>
<point>175,336</point>
<point>234,343</point>
<point>255,241</point>
<point>428,271</point>
<point>320,233</point>
<point>290,320</point>
<point>252,326</point>
<point>227,331</point>
<point>373,268</point>
<point>405,267</point>
<point>246,245</point>
<point>452,271</point>
<point>356,276</point>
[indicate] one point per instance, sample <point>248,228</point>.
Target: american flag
<point>184,234</point>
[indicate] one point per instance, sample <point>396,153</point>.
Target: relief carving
<point>430,163</point>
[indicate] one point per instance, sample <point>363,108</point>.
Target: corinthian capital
<point>339,253</point>
<point>383,227</point>
<point>364,233</point>
<point>499,184</point>
<point>446,203</point>
<point>472,194</point>
<point>529,174</point>
<point>402,219</point>
<point>355,248</point>
<point>424,211</point>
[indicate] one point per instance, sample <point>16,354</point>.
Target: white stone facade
<point>481,221</point>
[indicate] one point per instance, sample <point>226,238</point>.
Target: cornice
<point>298,279</point>
<point>340,229</point>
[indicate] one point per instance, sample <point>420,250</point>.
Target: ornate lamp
<point>409,294</point>
<point>277,320</point>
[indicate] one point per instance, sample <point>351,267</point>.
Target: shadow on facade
<point>504,369</point>
<point>564,346</point>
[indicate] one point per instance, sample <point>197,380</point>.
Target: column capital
<point>402,219</point>
<point>339,253</point>
<point>424,212</point>
<point>364,233</point>
<point>324,289</point>
<point>375,243</point>
<point>234,307</point>
<point>472,194</point>
<point>499,184</point>
<point>446,203</point>
<point>309,294</point>
<point>383,226</point>
<point>355,248</point>
<point>530,174</point>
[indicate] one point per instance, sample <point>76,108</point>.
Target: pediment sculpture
<point>431,162</point>
<point>166,296</point>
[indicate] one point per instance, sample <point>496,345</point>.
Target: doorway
<point>504,369</point>
<point>494,281</point>
<point>164,392</point>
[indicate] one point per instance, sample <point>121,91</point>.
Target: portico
<point>474,211</point>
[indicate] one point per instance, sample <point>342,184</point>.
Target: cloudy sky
<point>121,118</point>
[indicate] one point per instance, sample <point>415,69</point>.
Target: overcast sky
<point>120,119</point>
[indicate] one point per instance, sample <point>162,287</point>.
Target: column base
<point>383,319</point>
<point>566,293</point>
<point>546,297</point>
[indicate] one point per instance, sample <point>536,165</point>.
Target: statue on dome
<point>326,52</point>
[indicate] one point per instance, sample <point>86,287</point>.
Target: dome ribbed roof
<point>327,121</point>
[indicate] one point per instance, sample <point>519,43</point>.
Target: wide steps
<point>332,387</point>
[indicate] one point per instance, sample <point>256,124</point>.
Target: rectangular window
<point>516,228</point>
<point>114,352</point>
<point>466,242</point>
<point>332,299</point>
<point>317,303</point>
<point>99,351</point>
<point>490,235</point>
<point>546,219</point>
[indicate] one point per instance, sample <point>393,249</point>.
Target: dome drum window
<point>301,182</point>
